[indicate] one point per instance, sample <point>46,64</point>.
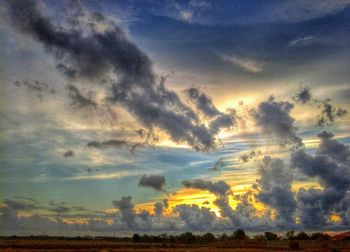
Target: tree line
<point>188,237</point>
<point>237,236</point>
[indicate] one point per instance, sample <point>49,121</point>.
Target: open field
<point>104,246</point>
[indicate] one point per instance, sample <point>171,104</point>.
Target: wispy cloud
<point>248,65</point>
<point>301,41</point>
<point>186,16</point>
<point>103,176</point>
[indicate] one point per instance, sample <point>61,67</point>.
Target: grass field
<point>104,246</point>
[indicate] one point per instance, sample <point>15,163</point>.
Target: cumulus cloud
<point>195,217</point>
<point>274,119</point>
<point>275,189</point>
<point>89,52</point>
<point>159,207</point>
<point>220,189</point>
<point>156,182</point>
<point>126,208</point>
<point>331,166</point>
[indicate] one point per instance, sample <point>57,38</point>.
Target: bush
<point>270,236</point>
<point>208,237</point>
<point>239,234</point>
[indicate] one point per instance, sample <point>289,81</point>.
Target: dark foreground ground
<point>26,245</point>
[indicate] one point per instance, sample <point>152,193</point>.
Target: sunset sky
<point>171,116</point>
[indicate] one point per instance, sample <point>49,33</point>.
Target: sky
<point>171,116</point>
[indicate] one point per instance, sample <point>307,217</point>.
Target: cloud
<point>331,166</point>
<point>246,157</point>
<point>247,65</point>
<point>275,189</point>
<point>117,143</point>
<point>219,188</point>
<point>218,165</point>
<point>60,209</point>
<point>96,54</point>
<point>274,119</point>
<point>303,96</point>
<point>195,217</point>
<point>329,111</point>
<point>77,100</point>
<point>159,207</point>
<point>156,182</point>
<point>69,153</point>
<point>186,16</point>
<point>301,41</point>
<point>202,102</point>
<point>126,208</point>
<point>41,88</point>
<point>329,114</point>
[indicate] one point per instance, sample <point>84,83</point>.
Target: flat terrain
<point>27,245</point>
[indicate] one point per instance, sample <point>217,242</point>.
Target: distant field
<point>104,246</point>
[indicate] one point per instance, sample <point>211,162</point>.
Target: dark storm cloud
<point>69,153</point>
<point>303,96</point>
<point>331,166</point>
<point>156,182</point>
<point>274,119</point>
<point>93,54</point>
<point>330,113</point>
<point>275,189</point>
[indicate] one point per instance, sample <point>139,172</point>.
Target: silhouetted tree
<point>290,234</point>
<point>259,237</point>
<point>319,236</point>
<point>188,237</point>
<point>239,234</point>
<point>136,238</point>
<point>270,236</point>
<point>208,237</point>
<point>301,236</point>
<point>224,238</point>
